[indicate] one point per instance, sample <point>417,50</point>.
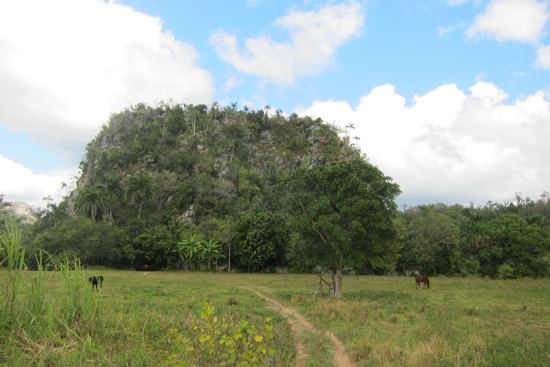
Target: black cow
<point>96,279</point>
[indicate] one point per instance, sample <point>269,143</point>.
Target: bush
<point>505,271</point>
<point>222,341</point>
<point>469,265</point>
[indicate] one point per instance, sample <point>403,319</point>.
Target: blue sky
<point>399,44</point>
<point>451,98</point>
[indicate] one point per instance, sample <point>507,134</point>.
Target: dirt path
<point>298,324</point>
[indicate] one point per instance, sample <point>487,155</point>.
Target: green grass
<point>385,321</point>
<point>133,320</point>
<point>139,319</point>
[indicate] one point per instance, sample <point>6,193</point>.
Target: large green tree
<point>342,211</point>
<point>259,238</point>
<point>96,243</point>
<point>435,239</point>
<point>523,247</point>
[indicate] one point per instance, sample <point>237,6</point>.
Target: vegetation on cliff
<point>197,187</point>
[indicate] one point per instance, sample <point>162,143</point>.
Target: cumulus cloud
<point>21,184</point>
<point>449,144</point>
<point>514,20</point>
<point>314,37</point>
<point>67,65</point>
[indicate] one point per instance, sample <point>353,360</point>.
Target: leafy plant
<point>223,341</point>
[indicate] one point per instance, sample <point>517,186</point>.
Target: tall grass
<point>78,303</point>
<point>38,318</point>
<point>13,259</point>
<point>30,317</point>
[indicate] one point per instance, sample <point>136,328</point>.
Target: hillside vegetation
<point>197,187</point>
<point>157,176</point>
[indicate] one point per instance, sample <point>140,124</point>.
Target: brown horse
<point>422,279</point>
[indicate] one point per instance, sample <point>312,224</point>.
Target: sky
<point>450,98</point>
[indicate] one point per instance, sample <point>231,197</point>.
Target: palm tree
<point>91,200</point>
<point>113,190</point>
<point>140,189</point>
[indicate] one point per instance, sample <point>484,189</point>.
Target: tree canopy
<point>343,211</point>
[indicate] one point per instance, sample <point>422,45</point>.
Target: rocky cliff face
<point>158,163</point>
<point>21,210</point>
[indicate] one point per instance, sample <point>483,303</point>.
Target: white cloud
<point>487,93</point>
<point>452,145</point>
<point>21,184</point>
<point>66,65</point>
<point>231,83</point>
<point>314,38</point>
<point>442,31</point>
<point>543,57</point>
<point>514,20</point>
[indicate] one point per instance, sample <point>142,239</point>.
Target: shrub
<point>222,341</point>
<point>505,271</point>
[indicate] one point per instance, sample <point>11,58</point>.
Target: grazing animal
<point>95,280</point>
<point>422,279</point>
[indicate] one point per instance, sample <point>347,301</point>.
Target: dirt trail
<point>298,324</point>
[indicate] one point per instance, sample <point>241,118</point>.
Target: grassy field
<point>176,318</point>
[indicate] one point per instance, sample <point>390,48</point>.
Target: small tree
<point>191,248</point>
<point>210,249</point>
<point>341,211</point>
<point>258,238</point>
<point>179,249</point>
<point>435,238</point>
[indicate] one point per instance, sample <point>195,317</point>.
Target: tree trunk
<point>229,259</point>
<point>338,273</point>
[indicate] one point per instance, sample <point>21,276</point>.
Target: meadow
<point>204,319</point>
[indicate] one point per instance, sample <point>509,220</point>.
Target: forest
<point>211,188</point>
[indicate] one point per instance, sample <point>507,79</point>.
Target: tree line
<point>204,188</point>
<point>500,240</point>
